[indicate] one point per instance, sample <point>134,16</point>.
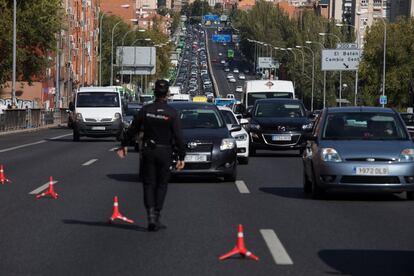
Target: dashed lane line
<point>32,144</point>
<point>41,188</point>
<point>89,162</point>
<point>279,253</point>
<point>113,149</point>
<point>242,187</point>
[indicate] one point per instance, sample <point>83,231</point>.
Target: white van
<point>97,112</point>
<point>267,89</point>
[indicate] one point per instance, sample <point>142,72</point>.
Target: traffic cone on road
<point>3,179</point>
<point>117,215</point>
<point>240,248</point>
<point>50,190</point>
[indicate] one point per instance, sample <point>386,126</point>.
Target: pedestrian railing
<point>16,119</point>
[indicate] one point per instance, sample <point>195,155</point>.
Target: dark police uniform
<point>162,131</point>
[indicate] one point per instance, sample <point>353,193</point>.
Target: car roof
<point>192,105</point>
<point>360,109</point>
<point>279,100</point>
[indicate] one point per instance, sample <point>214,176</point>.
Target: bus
<point>266,89</point>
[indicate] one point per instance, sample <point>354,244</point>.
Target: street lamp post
<point>14,54</point>
<point>100,48</point>
<point>324,72</point>
<point>313,72</point>
<point>112,52</point>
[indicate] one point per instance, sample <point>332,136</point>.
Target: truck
<point>266,89</point>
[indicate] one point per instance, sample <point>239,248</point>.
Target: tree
<point>38,22</point>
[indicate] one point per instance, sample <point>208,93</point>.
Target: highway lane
<point>350,234</point>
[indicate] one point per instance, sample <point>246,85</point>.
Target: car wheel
<point>244,160</point>
<point>76,136</point>
<point>252,151</point>
<point>307,185</point>
<point>409,195</point>
<point>136,147</point>
<point>316,192</point>
<point>301,152</point>
<point>231,177</point>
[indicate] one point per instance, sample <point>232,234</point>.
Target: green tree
<point>38,22</point>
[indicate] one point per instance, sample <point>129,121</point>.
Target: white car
<point>222,61</point>
<point>242,77</point>
<point>229,76</point>
<point>220,54</point>
<point>239,89</point>
<point>241,137</point>
<point>235,70</point>
<point>232,79</point>
<point>227,69</point>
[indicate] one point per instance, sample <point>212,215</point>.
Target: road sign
<point>136,60</point>
<point>346,46</point>
<point>221,38</point>
<point>340,59</point>
<point>266,62</point>
<point>230,53</point>
<point>383,99</point>
<point>223,17</point>
<point>211,17</point>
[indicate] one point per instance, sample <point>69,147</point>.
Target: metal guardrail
<point>17,119</point>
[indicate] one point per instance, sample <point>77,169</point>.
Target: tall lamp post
<point>112,52</point>
<point>324,72</point>
<point>385,51</point>
<point>14,54</point>
<point>313,71</point>
<point>340,72</point>
<point>100,47</point>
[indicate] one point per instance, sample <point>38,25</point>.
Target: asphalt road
<point>345,234</point>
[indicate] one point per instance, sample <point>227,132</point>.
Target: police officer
<point>162,132</point>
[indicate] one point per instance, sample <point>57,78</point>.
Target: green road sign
<point>230,53</point>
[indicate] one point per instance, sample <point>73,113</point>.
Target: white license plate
<point>281,138</point>
<point>371,170</point>
<point>98,128</point>
<point>194,158</point>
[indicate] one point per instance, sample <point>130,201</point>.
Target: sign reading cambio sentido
<point>340,59</point>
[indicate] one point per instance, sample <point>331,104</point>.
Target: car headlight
<point>79,116</point>
<point>330,155</point>
<point>307,126</point>
<point>227,144</point>
<point>254,126</point>
<point>241,137</point>
<point>117,116</point>
<point>406,155</point>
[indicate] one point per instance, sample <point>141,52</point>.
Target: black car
<point>211,150</point>
<point>278,124</point>
<point>408,119</point>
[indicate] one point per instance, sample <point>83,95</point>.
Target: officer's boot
<point>152,223</point>
<point>158,221</point>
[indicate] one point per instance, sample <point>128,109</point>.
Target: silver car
<point>359,149</point>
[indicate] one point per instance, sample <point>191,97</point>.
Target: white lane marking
<point>41,188</point>
<point>23,146</point>
<point>32,144</point>
<point>242,187</point>
<point>276,248</point>
<point>113,149</point>
<point>61,136</point>
<point>89,162</point>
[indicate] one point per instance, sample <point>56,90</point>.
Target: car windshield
<point>200,118</point>
<point>229,118</point>
<point>363,126</point>
<point>97,99</point>
<point>253,97</point>
<point>279,109</point>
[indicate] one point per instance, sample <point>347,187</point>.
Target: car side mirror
<point>234,128</point>
<point>243,121</point>
<point>71,106</point>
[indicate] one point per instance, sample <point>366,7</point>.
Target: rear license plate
<point>194,158</point>
<point>98,128</point>
<point>371,170</point>
<point>281,138</point>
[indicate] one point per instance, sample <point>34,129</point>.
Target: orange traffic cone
<point>50,190</point>
<point>2,177</point>
<point>117,215</point>
<point>240,248</point>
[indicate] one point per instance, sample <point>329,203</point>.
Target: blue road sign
<point>383,99</point>
<point>211,17</point>
<point>221,38</point>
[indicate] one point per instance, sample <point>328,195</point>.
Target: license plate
<point>281,138</point>
<point>98,128</point>
<point>371,170</point>
<point>193,158</point>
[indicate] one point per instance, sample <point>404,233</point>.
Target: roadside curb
<point>28,130</point>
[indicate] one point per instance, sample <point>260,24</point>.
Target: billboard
<point>221,38</point>
<point>266,63</point>
<point>340,59</point>
<point>136,60</point>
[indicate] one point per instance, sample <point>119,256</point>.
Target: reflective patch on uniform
<point>160,110</point>
<point>157,116</point>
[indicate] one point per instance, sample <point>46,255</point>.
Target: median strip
<point>279,253</point>
<point>89,162</point>
<point>242,187</point>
